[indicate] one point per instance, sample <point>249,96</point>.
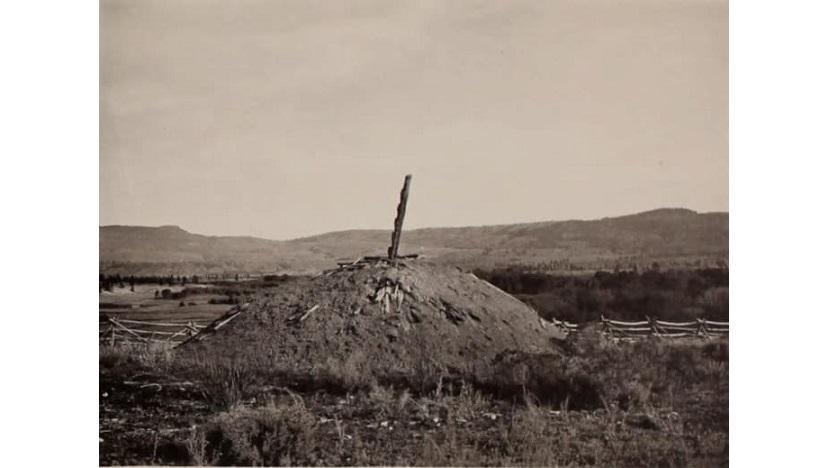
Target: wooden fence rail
<point>652,327</point>
<point>115,331</point>
<point>567,327</point>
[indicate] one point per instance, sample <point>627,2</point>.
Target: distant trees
<point>108,282</point>
<point>623,295</point>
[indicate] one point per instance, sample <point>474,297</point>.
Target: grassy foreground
<point>650,403</point>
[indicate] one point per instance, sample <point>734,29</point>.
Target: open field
<point>137,314</point>
<point>635,404</point>
<point>199,303</point>
<point>170,310</point>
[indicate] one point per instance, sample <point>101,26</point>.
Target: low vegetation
<point>648,403</point>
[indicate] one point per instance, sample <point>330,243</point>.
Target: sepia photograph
<point>414,233</point>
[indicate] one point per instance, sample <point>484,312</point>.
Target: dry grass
<point>158,357</point>
<point>279,433</point>
<point>649,403</point>
<point>350,373</point>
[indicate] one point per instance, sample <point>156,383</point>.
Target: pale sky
<point>281,119</point>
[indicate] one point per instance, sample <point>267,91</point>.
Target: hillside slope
<point>668,236</point>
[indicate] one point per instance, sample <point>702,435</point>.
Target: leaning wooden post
<point>396,233</point>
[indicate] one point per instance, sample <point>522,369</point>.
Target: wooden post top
<point>396,233</point>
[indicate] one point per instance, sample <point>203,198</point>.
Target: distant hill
<point>671,237</point>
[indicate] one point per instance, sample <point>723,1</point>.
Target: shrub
<point>524,438</point>
<point>387,403</point>
<point>468,404</point>
<point>112,357</point>
<point>717,350</point>
<point>650,371</point>
<point>153,355</point>
<point>225,382</point>
<point>276,434</point>
<point>351,373</point>
<point>549,378</point>
<point>198,448</point>
<point>125,358</point>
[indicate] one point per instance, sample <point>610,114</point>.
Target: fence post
<point>560,325</point>
<point>702,328</point>
<point>653,327</point>
<point>607,328</point>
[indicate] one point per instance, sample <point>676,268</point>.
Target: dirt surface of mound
<point>396,315</point>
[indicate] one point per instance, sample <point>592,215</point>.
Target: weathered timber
<point>303,317</point>
<point>396,233</point>
<point>127,330</point>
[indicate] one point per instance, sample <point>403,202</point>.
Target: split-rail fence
<point>700,328</point>
<point>115,331</point>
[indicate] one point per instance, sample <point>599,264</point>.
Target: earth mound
<point>394,314</point>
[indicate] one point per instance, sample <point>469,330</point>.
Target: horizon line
<point>388,229</point>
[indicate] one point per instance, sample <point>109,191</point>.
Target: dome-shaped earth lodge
<point>393,314</point>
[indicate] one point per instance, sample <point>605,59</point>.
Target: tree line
<point>109,282</point>
<point>623,295</point>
